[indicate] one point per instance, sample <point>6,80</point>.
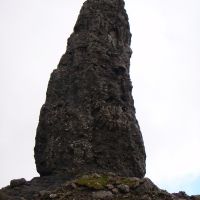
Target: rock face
<point>88,122</point>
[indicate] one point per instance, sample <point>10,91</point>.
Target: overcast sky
<point>165,71</point>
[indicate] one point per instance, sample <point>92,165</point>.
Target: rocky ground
<point>88,187</point>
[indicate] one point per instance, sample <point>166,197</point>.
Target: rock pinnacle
<point>88,122</point>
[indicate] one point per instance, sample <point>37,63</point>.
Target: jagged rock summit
<point>88,122</point>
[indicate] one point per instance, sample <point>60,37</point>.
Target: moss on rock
<point>94,182</point>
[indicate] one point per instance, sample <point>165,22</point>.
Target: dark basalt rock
<point>88,122</point>
<point>17,182</point>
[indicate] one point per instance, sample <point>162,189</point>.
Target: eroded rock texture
<point>88,122</point>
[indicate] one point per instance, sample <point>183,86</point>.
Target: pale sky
<point>165,71</point>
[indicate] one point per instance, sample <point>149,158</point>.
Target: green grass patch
<point>93,182</point>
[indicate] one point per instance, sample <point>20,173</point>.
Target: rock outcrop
<point>88,122</point>
<point>88,143</point>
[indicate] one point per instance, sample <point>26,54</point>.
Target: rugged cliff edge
<point>88,142</point>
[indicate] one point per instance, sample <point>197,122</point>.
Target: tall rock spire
<point>88,122</point>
